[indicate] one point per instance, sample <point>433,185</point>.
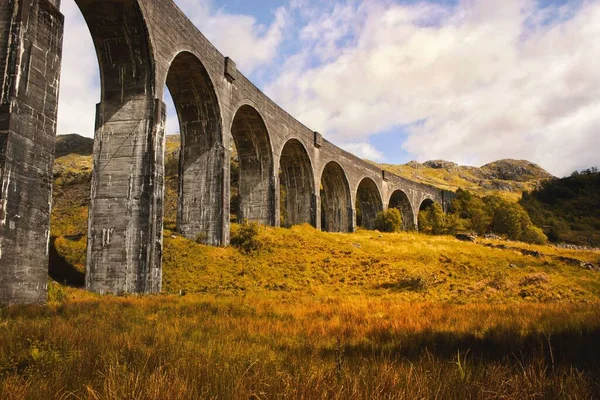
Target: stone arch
<point>425,204</point>
<point>125,215</point>
<point>336,203</point>
<point>256,186</point>
<point>400,201</point>
<point>296,182</point>
<point>368,202</point>
<point>202,155</point>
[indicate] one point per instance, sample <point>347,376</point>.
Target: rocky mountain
<point>509,178</point>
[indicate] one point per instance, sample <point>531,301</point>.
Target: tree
<point>511,220</point>
<point>389,220</point>
<point>432,220</point>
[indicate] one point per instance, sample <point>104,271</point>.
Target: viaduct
<point>143,45</point>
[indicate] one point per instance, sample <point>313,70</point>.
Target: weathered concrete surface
<point>30,54</point>
<point>125,218</point>
<point>288,173</point>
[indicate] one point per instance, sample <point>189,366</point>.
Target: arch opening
<point>202,155</point>
<point>425,206</point>
<point>253,182</point>
<point>336,209</point>
<point>368,204</point>
<point>296,186</point>
<point>400,201</point>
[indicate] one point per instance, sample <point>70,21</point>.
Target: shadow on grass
<point>580,349</point>
<point>61,270</point>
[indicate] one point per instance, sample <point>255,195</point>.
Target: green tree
<point>511,220</point>
<point>389,220</point>
<point>432,220</point>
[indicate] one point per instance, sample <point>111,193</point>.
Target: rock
<point>441,164</point>
<point>570,261</point>
<point>465,237</point>
<point>514,170</point>
<point>532,253</point>
<point>492,236</point>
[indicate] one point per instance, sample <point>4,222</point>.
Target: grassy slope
<point>307,262</point>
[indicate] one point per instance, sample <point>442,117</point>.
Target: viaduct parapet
<point>143,45</point>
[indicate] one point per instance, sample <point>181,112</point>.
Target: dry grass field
<point>317,315</point>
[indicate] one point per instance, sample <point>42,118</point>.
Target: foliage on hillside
<point>491,214</point>
<point>568,209</point>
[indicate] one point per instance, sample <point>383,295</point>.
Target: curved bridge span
<point>289,174</point>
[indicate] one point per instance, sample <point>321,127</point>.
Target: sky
<point>470,81</point>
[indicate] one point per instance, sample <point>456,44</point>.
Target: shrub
<point>510,220</point>
<point>432,220</point>
<point>246,237</point>
<point>533,234</point>
<point>389,220</point>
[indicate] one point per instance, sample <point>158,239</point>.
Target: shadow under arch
<point>399,200</point>
<point>125,218</point>
<point>202,156</point>
<point>296,185</point>
<point>336,203</point>
<point>256,186</point>
<point>425,205</point>
<point>368,203</point>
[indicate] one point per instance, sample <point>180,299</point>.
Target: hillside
<point>507,178</point>
<point>568,209</point>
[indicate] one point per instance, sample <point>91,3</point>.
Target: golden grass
<point>316,315</point>
<point>288,346</point>
<point>402,267</point>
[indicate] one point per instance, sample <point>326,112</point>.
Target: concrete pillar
<point>31,34</point>
<point>125,219</point>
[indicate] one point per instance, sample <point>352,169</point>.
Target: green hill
<point>568,209</point>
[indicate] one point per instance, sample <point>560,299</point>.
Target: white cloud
<point>364,150</point>
<point>488,79</point>
<point>249,43</point>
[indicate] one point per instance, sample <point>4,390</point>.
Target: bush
<point>246,238</point>
<point>389,221</point>
<point>511,220</point>
<point>432,220</point>
<point>533,234</point>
